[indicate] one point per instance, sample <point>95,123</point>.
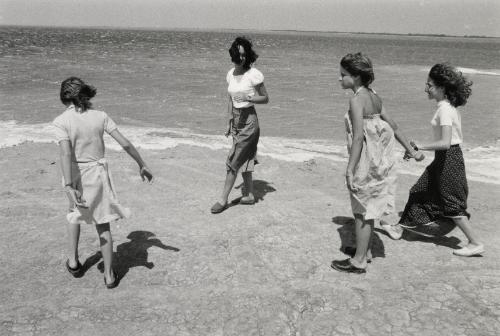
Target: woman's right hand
<point>146,174</point>
<point>76,197</point>
<point>418,156</point>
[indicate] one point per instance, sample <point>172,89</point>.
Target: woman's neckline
<point>247,70</point>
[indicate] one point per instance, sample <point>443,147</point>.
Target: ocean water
<point>165,88</point>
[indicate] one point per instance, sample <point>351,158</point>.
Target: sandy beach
<point>252,270</point>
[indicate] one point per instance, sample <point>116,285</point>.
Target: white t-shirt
<point>447,115</point>
<point>85,132</point>
<point>243,84</point>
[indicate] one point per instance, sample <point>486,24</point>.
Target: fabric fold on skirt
<point>94,180</point>
<point>245,132</point>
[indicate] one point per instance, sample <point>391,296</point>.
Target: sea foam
<point>482,163</point>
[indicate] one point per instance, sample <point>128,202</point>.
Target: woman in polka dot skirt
<point>441,191</point>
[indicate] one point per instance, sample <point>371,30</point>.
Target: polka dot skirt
<point>440,192</point>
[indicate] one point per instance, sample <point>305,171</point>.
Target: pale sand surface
<point>252,270</point>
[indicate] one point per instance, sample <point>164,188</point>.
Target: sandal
<point>114,283</point>
<point>77,271</point>
<point>218,208</point>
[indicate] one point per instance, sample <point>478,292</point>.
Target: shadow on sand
<point>260,189</point>
<point>348,236</point>
<point>133,253</point>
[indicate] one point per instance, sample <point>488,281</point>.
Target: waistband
<point>249,109</point>
<point>371,116</point>
<point>100,162</point>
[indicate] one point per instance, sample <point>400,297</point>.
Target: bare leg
<point>228,185</point>
<point>463,224</point>
<point>248,186</point>
<point>74,237</point>
<point>107,250</point>
<point>363,234</point>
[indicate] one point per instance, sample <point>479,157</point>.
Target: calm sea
<point>168,87</point>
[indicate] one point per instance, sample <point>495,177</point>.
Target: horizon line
<point>248,29</point>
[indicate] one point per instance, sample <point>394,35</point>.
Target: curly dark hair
<point>456,87</point>
<point>250,55</point>
<point>359,65</point>
<point>76,91</point>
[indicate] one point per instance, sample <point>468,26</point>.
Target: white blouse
<point>243,84</point>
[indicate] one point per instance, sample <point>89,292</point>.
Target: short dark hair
<point>250,55</point>
<point>359,65</point>
<point>76,91</point>
<point>456,87</point>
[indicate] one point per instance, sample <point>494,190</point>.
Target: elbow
<point>446,146</point>
<point>266,100</point>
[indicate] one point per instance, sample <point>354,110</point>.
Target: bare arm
<point>260,97</point>
<point>69,186</point>
<point>132,151</point>
<point>229,116</point>
<point>356,116</point>
<point>442,144</point>
<point>400,137</point>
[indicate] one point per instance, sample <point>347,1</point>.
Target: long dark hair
<point>456,87</point>
<point>359,65</point>
<point>250,55</point>
<point>76,91</point>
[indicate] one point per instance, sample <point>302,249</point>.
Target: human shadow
<point>134,253</point>
<point>260,189</point>
<point>348,237</point>
<point>89,262</point>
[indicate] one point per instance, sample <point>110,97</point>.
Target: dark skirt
<point>246,133</point>
<point>441,192</point>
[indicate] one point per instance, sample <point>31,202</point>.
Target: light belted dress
<point>375,174</point>
<point>89,169</point>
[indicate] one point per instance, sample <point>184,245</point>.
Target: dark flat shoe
<point>114,283</point>
<point>77,271</point>
<point>346,266</point>
<point>218,208</point>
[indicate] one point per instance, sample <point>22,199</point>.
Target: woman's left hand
<point>349,182</point>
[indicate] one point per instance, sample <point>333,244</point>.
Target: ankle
<point>73,262</point>
<point>359,263</point>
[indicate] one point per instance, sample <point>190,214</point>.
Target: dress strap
<point>372,116</point>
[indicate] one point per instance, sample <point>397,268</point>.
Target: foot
<point>218,208</point>
<point>394,231</point>
<point>250,199</point>
<point>470,250</point>
<point>346,266</point>
<point>75,268</point>
<point>112,281</point>
<point>351,251</point>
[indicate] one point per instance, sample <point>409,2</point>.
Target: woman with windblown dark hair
<point>246,88</point>
<point>442,191</point>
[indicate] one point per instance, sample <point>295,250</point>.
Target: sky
<point>450,17</point>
